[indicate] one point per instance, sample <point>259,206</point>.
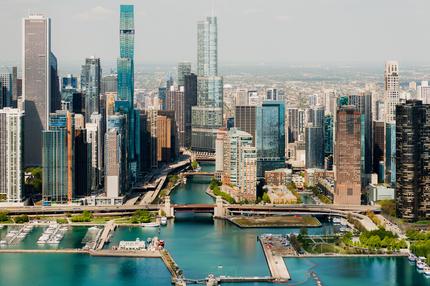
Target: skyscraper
<point>245,119</point>
<point>391,90</point>
<point>413,160</point>
<point>91,85</point>
<point>175,101</point>
<point>328,135</point>
<point>37,62</point>
<point>314,139</point>
<point>207,116</point>
<point>190,95</point>
<point>58,158</point>
<point>126,78</point>
<point>348,156</point>
<point>270,136</point>
<point>11,155</point>
<point>8,78</point>
<point>184,69</point>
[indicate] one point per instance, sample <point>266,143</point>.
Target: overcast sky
<point>249,31</point>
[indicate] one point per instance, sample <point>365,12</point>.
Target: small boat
<point>163,220</point>
<point>426,271</point>
<point>412,258</point>
<point>3,242</point>
<point>421,265</point>
<point>150,224</point>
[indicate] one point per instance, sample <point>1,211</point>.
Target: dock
<point>276,263</point>
<point>106,234</point>
<point>171,265</point>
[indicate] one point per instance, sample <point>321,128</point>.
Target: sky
<point>251,32</point>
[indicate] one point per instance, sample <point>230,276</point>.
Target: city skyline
<point>297,34</point>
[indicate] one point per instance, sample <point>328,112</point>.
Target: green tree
<point>266,198</point>
<point>4,217</point>
<point>21,219</point>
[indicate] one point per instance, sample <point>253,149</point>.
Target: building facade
<point>391,90</point>
<point>91,86</point>
<point>348,156</point>
<point>11,155</point>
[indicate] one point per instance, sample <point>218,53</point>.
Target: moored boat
<point>420,265</point>
<point>150,224</point>
<point>163,220</point>
<point>412,257</point>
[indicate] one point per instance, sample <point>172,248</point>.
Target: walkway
<point>107,232</point>
<point>276,263</point>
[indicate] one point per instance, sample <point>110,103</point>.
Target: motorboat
<point>3,242</point>
<point>163,220</point>
<point>421,265</point>
<point>426,271</point>
<point>150,224</point>
<point>412,257</point>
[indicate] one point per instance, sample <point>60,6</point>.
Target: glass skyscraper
<point>270,136</point>
<point>207,116</point>
<point>125,66</point>
<point>90,84</point>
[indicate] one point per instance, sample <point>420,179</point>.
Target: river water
<point>200,246</point>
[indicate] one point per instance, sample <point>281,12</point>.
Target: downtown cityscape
<point>129,170</point>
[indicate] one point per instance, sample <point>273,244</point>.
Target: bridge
<point>209,174</point>
<point>194,208</point>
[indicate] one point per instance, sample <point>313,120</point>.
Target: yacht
<point>163,220</point>
<point>421,265</point>
<point>412,257</point>
<point>150,224</point>
<point>426,271</point>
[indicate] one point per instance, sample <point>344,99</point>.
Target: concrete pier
<point>107,232</point>
<point>276,264</point>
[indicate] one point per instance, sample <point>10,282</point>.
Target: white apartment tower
<point>391,90</point>
<point>11,155</point>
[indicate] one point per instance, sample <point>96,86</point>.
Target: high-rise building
<point>8,82</point>
<point>207,116</point>
<point>413,160</point>
<point>58,158</point>
<point>272,94</point>
<point>82,162</point>
<point>91,85</point>
<point>391,90</point>
<point>390,153</point>
<point>37,90</point>
<point>167,149</point>
<point>175,101</point>
<point>314,139</point>
<point>328,135</point>
<point>245,119</point>
<point>126,81</point>
<point>240,163</point>
<point>379,149</point>
<point>69,81</point>
<point>190,95</point>
<point>109,83</point>
<point>184,69</point>
<point>315,116</point>
<point>270,136</point>
<point>11,155</point>
<point>348,156</point>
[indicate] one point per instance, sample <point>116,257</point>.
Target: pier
<point>276,263</point>
<point>107,232</point>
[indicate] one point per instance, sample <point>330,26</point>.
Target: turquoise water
<point>200,246</point>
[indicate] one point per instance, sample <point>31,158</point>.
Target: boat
<point>412,257</point>
<point>426,271</point>
<point>421,265</point>
<point>163,220</point>
<point>150,224</point>
<point>3,242</point>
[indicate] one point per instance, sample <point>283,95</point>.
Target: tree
<point>4,217</point>
<point>22,219</point>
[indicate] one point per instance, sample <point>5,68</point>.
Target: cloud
<point>282,18</point>
<point>95,13</point>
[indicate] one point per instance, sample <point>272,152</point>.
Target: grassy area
<point>276,221</point>
<point>215,187</point>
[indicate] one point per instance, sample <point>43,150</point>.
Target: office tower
<point>293,124</point>
<point>423,92</point>
<point>11,155</point>
<point>115,156</point>
<point>90,85</point>
<point>379,110</point>
<point>240,163</point>
<point>379,150</point>
<point>184,69</point>
<point>109,83</point>
<point>152,130</point>
<point>55,103</point>
<point>190,95</point>
<point>219,152</point>
<point>162,94</point>
<point>245,120</point>
<point>69,81</point>
<point>314,140</point>
<point>167,149</point>
<point>82,160</point>
<point>270,136</point>
<point>315,116</point>
<point>8,81</point>
<point>126,79</point>
<point>328,135</point>
<point>207,116</point>
<point>348,156</point>
<point>92,140</point>
<point>413,160</point>
<point>390,153</point>
<point>391,90</point>
<point>175,102</point>
<point>58,158</point>
<point>253,98</point>
<point>38,63</point>
<point>363,104</point>
<point>272,94</point>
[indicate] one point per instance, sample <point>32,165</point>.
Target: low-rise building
<point>379,192</point>
<point>278,177</point>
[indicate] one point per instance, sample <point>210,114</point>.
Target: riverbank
<point>275,221</point>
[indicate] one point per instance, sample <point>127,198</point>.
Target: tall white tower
<point>391,90</point>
